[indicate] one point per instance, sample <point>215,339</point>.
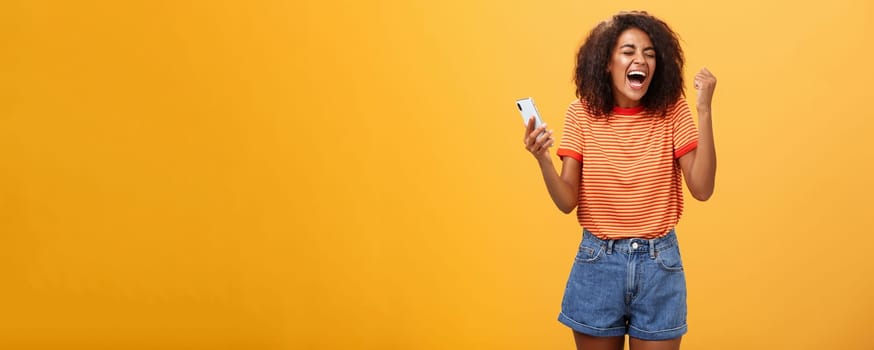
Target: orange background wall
<point>320,175</point>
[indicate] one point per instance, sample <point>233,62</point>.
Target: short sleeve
<point>572,135</point>
<point>685,132</point>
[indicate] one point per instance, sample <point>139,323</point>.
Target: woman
<point>626,142</point>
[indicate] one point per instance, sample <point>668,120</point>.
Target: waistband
<point>635,245</point>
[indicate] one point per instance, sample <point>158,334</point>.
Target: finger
<point>531,139</point>
<point>549,144</point>
<point>536,132</point>
<point>532,147</point>
<point>542,146</point>
<point>530,127</point>
<point>705,82</point>
<point>542,140</point>
<point>537,147</point>
<point>529,130</point>
<point>702,80</point>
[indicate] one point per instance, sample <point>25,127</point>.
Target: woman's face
<point>631,67</point>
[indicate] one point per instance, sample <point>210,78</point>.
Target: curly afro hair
<point>593,81</point>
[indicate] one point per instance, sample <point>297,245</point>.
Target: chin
<point>635,97</point>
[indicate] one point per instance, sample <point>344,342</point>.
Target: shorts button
<point>634,245</point>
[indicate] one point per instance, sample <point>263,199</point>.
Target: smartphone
<point>528,110</point>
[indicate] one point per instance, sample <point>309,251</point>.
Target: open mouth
<point>636,79</point>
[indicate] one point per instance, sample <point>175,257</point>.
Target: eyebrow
<point>634,47</point>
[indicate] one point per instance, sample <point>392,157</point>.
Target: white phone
<point>528,110</point>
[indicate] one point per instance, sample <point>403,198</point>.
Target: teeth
<point>637,73</point>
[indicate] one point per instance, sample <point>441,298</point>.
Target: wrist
<point>544,160</point>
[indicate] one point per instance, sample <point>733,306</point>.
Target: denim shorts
<point>629,286</point>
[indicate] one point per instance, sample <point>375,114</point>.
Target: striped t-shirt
<point>630,184</point>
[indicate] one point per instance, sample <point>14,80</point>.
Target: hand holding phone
<point>534,125</point>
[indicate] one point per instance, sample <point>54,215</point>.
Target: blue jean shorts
<point>629,286</point>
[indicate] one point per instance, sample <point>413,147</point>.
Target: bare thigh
<point>670,344</point>
<point>588,342</point>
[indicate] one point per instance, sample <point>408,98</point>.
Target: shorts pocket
<point>589,251</point>
<point>669,259</point>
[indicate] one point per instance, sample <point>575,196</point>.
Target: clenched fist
<point>705,83</point>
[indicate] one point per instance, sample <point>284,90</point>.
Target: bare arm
<point>699,165</point>
<point>565,188</point>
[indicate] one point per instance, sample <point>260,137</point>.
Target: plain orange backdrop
<point>321,175</point>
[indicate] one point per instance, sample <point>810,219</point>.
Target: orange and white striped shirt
<point>631,184</point>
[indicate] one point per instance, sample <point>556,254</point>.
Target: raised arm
<point>699,165</point>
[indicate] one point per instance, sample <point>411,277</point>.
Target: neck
<point>624,102</point>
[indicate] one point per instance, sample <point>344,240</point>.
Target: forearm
<point>704,168</point>
<point>563,193</point>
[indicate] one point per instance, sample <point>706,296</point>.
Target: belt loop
<point>652,248</point>
<point>610,246</point>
